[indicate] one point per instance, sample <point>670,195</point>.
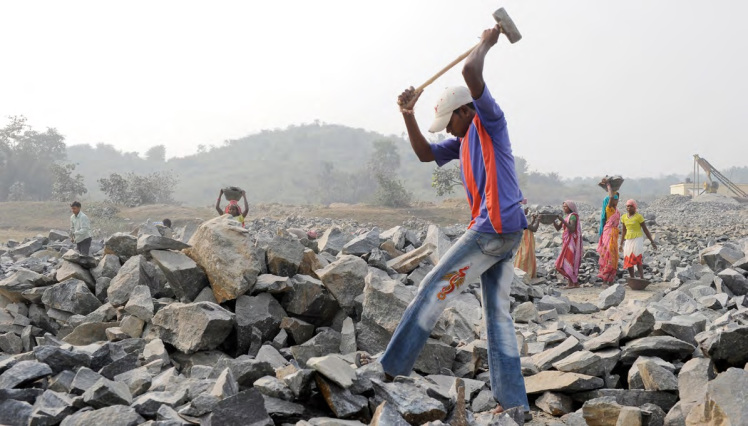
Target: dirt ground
<point>19,220</point>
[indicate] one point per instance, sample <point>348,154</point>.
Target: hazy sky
<point>594,87</point>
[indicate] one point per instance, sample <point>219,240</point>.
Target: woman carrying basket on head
<point>233,208</point>
<point>607,246</point>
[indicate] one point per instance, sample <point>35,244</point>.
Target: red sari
<point>570,258</point>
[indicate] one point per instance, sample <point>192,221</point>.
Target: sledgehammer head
<point>507,25</point>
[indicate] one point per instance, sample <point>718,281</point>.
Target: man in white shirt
<point>80,228</point>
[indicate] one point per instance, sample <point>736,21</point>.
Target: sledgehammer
<point>507,27</point>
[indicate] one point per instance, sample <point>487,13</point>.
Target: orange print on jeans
<point>455,279</point>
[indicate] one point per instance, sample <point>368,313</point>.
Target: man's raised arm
<point>473,69</point>
<point>418,142</point>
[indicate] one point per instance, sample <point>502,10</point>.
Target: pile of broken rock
<point>233,326</point>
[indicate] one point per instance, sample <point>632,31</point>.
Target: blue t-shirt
<point>487,169</point>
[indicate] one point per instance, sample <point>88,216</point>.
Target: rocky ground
<point>215,324</point>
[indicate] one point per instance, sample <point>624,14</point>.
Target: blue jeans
<point>474,254</point>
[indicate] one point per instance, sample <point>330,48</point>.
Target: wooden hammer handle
<point>445,69</point>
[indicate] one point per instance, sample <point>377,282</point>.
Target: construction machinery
<point>711,186</point>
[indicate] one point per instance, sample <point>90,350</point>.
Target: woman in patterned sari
<point>607,246</point>
<point>570,258</point>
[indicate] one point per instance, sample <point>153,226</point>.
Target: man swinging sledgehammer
<point>485,251</point>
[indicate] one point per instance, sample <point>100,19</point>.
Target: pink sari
<point>570,258</point>
<point>607,247</point>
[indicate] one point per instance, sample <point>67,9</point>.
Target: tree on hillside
<point>65,187</point>
<point>156,153</point>
<point>25,158</point>
<point>383,165</point>
<point>136,190</point>
<point>334,186</point>
<point>445,179</point>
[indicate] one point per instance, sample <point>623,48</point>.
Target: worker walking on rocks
<point>80,229</point>
<point>485,251</point>
<point>233,208</point>
<point>632,239</point>
<point>607,246</point>
<point>568,261</point>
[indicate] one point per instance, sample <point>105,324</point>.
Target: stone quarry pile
<point>216,324</point>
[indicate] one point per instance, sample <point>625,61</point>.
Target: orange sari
<point>525,258</point>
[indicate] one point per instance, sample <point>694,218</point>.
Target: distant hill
<point>283,166</point>
<point>272,166</point>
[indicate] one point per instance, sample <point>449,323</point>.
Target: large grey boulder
<point>51,408</point>
<point>148,242</point>
<point>82,260</point>
<point>105,393</point>
<point>415,410</point>
<point>611,296</point>
<point>581,362</point>
<point>344,279</point>
<point>284,255</point>
<point>72,270</point>
<point>193,327</point>
<point>362,244</point>
<point>108,267</point>
<point>333,240</point>
<point>693,379</point>
<point>408,262</point>
<point>341,401</point>
<point>602,411</point>
<point>261,311</point>
<point>555,404</point>
<point>71,296</point>
<point>545,359</point>
<point>385,301</point>
<point>525,312</point>
<point>117,415</point>
<point>300,331</point>
<point>729,392</point>
<point>136,271</point>
<point>726,347</point>
<point>149,403</point>
<point>13,412</point>
<point>185,277</point>
<point>609,338</point>
<point>735,281</point>
<point>122,245</point>
<point>245,408</point>
<point>310,301</point>
<point>28,248</point>
<point>60,359</point>
<point>657,378</point>
<point>439,241</point>
<point>325,342</point>
<point>140,304</point>
<point>719,257</point>
<point>397,235</point>
<point>222,248</point>
<point>19,281</point>
<point>23,372</point>
<point>683,327</point>
<point>561,305</point>
<point>640,325</point>
<point>561,382</point>
<point>665,347</point>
